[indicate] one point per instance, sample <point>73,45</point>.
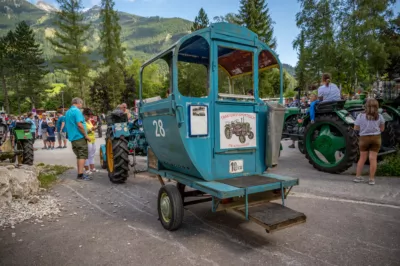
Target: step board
<point>273,216</point>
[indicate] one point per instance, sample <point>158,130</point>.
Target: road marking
<point>310,196</point>
<point>88,201</point>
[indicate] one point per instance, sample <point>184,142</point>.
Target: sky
<point>283,13</point>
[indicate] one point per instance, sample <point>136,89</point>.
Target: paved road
<point>105,224</point>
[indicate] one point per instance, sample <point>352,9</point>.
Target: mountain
<point>142,36</point>
<point>46,7</point>
<point>289,69</point>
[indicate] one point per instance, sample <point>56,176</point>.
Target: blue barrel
<point>222,134</point>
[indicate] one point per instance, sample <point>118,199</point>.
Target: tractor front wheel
<point>117,159</point>
<point>330,144</point>
<point>251,135</point>
<point>242,139</point>
<point>27,152</point>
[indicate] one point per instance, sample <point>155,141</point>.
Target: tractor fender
<point>103,149</point>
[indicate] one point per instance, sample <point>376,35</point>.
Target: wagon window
<point>156,79</point>
<point>193,62</point>
<point>268,75</point>
<point>235,74</point>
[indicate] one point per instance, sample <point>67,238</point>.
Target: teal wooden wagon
<point>219,143</point>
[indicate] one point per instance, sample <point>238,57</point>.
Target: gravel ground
<point>106,224</point>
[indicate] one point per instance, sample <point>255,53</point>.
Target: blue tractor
<point>124,140</point>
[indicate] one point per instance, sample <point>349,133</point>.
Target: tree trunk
<point>6,105</point>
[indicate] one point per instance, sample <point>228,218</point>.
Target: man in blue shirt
<point>61,131</point>
<point>76,129</point>
<point>33,126</point>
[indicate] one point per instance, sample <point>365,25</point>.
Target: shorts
<point>44,134</point>
<point>51,139</point>
<point>80,148</point>
<point>370,143</point>
<point>61,136</point>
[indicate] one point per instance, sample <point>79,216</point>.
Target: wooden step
<point>273,216</point>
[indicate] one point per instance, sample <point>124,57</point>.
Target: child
<point>51,135</point>
<point>313,101</point>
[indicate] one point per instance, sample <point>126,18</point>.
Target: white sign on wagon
<point>198,120</point>
<point>237,130</point>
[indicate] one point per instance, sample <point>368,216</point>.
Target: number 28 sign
<point>160,131</point>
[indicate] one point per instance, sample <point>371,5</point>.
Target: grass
<point>390,166</point>
<point>48,173</point>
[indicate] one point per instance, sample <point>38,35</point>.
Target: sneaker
<point>64,147</point>
<point>88,172</point>
<point>371,182</point>
<point>52,148</point>
<point>84,177</point>
<point>94,170</point>
<point>44,148</point>
<point>59,147</point>
<point>292,146</point>
<point>48,148</point>
<point>358,179</point>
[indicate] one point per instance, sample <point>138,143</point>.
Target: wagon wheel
<point>170,207</point>
<point>251,135</point>
<point>300,145</point>
<point>228,133</point>
<point>242,139</point>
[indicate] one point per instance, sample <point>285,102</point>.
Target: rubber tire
<point>121,161</point>
<point>102,162</point>
<point>228,133</point>
<point>242,139</point>
<point>100,132</point>
<point>175,198</point>
<point>351,144</point>
<point>389,135</point>
<point>27,152</point>
<point>300,146</point>
<point>251,135</point>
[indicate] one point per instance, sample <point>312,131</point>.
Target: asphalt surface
<point>106,224</point>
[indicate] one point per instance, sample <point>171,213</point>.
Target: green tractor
<point>330,143</point>
<point>19,146</point>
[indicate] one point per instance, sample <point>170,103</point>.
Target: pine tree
<point>111,49</point>
<point>30,64</point>
<point>201,21</point>
<point>254,14</point>
<point>7,67</point>
<point>69,40</point>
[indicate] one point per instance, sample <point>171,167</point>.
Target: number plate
<point>236,166</point>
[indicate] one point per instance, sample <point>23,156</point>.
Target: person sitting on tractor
<point>314,101</point>
<point>327,92</point>
<point>124,109</point>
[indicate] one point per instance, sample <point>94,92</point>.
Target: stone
<point>34,200</point>
<point>24,183</point>
<point>5,189</point>
<point>10,167</point>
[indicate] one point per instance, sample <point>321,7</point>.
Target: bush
<point>390,166</point>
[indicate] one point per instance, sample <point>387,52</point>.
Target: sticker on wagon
<point>235,166</point>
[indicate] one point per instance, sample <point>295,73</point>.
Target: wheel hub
<point>165,206</point>
<point>327,143</point>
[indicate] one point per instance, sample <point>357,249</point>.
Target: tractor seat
<point>331,106</point>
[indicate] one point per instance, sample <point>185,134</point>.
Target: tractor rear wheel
<point>117,159</point>
<point>389,135</point>
<point>27,152</point>
<point>330,144</point>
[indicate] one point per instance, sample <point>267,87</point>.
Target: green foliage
<point>254,14</point>
<point>344,38</point>
<point>21,67</point>
<point>69,43</point>
<point>201,21</point>
<point>48,173</point>
<point>391,38</point>
<point>390,166</point>
<point>112,50</point>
